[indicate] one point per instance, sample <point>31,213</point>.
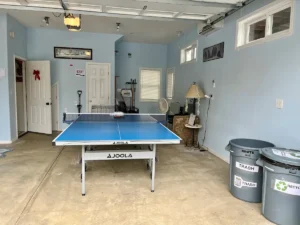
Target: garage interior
<point>217,70</point>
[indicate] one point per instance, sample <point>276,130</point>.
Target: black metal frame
<point>89,49</point>
<point>221,47</point>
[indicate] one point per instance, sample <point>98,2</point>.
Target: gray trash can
<point>281,185</point>
<point>245,176</point>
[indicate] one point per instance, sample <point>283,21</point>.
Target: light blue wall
<point>4,92</point>
<point>40,46</point>
<point>16,46</point>
<point>143,55</point>
<point>247,84</point>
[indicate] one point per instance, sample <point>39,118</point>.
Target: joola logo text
<point>119,156</point>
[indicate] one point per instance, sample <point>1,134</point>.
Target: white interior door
<point>98,84</point>
<point>39,96</point>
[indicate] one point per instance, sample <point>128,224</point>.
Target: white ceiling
<point>148,21</point>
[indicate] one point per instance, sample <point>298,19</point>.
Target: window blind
<point>170,84</point>
<point>150,85</point>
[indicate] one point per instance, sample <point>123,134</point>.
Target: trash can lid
<point>282,155</point>
<point>250,144</point>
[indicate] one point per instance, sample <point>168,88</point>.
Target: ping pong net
<point>113,117</point>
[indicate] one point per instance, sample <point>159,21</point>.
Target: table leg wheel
<point>152,190</point>
<point>83,194</point>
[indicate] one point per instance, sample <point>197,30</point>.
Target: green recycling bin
<point>281,185</point>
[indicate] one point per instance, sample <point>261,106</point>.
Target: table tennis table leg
<point>153,168</point>
<point>83,171</point>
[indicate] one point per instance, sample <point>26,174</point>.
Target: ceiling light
<point>46,20</point>
<point>72,22</point>
<point>118,26</point>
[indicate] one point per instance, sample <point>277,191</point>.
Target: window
<point>170,83</point>
<point>189,53</point>
<point>150,84</point>
<point>257,30</point>
<point>270,22</point>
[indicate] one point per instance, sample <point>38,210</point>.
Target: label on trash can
<point>287,187</point>
<point>249,168</point>
<point>239,182</point>
<point>287,154</point>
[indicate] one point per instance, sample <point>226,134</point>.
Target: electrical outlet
<point>279,103</point>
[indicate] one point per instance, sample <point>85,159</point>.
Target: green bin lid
<point>282,155</point>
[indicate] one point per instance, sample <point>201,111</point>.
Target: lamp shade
<point>194,92</point>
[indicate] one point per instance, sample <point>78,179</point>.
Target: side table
<point>195,127</point>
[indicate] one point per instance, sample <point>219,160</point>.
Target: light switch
<point>214,84</point>
<point>279,103</point>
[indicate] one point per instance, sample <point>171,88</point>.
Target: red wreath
<point>36,74</point>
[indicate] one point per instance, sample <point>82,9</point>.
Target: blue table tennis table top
<point>115,132</point>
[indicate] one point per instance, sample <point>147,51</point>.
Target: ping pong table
<point>93,129</point>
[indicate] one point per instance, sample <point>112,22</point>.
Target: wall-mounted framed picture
<point>213,52</point>
<point>73,53</point>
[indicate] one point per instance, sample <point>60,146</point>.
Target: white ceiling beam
<point>22,2</point>
<point>112,15</point>
<point>192,3</point>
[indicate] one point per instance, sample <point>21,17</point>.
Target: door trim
<point>57,102</point>
<point>87,84</point>
<point>24,95</point>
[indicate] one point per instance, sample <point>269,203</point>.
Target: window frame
<point>248,29</point>
<point>183,52</point>
<point>170,70</point>
<point>266,12</point>
<point>140,85</point>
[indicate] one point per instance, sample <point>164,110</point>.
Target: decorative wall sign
<point>80,72</point>
<point>73,53</point>
<point>213,52</point>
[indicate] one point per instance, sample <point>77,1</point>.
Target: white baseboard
<point>8,141</point>
<point>216,154</point>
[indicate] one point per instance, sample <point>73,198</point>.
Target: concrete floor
<point>40,184</point>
